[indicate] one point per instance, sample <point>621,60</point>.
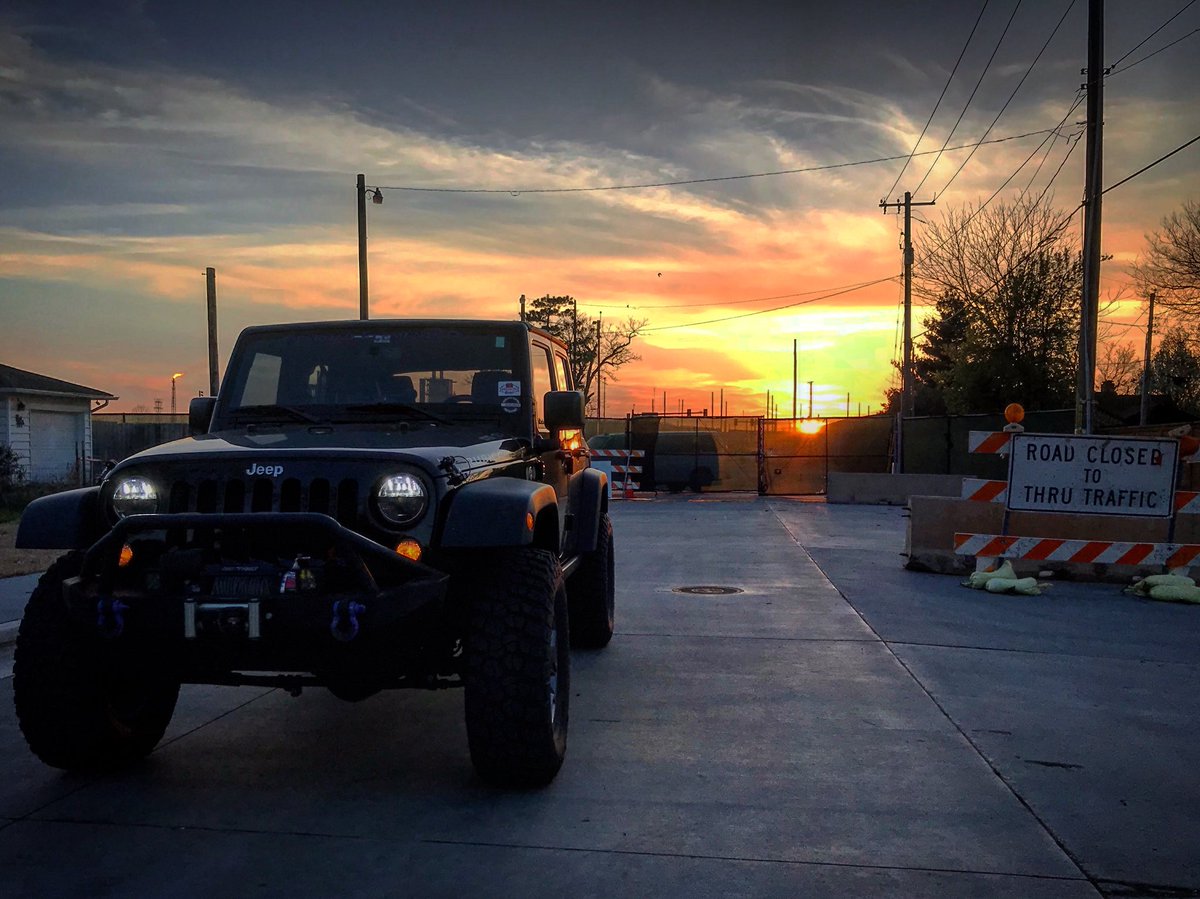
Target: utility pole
<point>810,402</point>
<point>794,377</point>
<point>1145,410</point>
<point>362,248</point>
<point>598,364</point>
<point>906,370</point>
<point>210,279</point>
<point>1092,190</point>
<point>522,307</point>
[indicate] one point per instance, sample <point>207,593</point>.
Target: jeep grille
<point>338,499</point>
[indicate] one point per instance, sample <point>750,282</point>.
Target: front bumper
<point>212,593</point>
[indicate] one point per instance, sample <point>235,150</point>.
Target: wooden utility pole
<point>906,371</point>
<point>1144,413</point>
<point>210,279</point>
<point>362,248</point>
<point>906,391</point>
<point>598,363</point>
<point>794,350</point>
<point>522,307</point>
<point>1092,190</point>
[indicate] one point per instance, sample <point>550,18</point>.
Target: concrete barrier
<point>933,521</point>
<point>888,489</point>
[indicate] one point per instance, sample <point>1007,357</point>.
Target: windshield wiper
<point>269,411</point>
<point>394,408</point>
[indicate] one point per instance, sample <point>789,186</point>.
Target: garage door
<point>53,437</point>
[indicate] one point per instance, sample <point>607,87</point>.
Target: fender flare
<point>67,520</point>
<point>494,512</point>
<point>589,501</point>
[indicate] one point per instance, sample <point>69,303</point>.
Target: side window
<point>562,370</point>
<point>262,382</point>
<point>539,362</point>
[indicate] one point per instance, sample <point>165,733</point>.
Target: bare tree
<point>1171,265</point>
<point>1005,281</point>
<point>1119,363</point>
<point>561,317</point>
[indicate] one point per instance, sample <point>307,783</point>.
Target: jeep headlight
<point>400,499</point>
<point>134,496</point>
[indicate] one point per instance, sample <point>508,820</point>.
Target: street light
<point>175,377</point>
<point>377,199</point>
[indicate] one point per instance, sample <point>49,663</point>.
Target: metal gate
<point>782,457</point>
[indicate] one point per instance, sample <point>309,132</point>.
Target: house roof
<point>16,380</point>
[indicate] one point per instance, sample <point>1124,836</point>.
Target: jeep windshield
<point>436,374</point>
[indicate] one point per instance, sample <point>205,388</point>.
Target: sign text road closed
<point>1092,475</point>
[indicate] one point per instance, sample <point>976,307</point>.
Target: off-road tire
<point>517,668</point>
<point>591,595</point>
<point>77,713</point>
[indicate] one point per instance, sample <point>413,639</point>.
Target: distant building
<point>48,424</point>
<point>1116,409</point>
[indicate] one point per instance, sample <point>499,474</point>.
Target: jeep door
<point>557,464</point>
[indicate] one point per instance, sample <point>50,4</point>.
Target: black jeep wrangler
<point>365,505</point>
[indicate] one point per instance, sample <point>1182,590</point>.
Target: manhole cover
<point>707,590</point>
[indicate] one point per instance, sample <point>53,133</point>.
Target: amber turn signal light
<point>410,549</point>
<point>570,439</point>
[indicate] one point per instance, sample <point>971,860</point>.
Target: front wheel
<point>518,669</point>
<point>591,593</point>
<point>75,711</point>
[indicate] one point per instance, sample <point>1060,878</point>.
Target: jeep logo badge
<point>270,471</point>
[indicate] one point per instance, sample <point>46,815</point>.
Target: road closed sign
<point>1092,475</point>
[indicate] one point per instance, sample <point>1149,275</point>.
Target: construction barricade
<point>1083,475</point>
<point>623,466</point>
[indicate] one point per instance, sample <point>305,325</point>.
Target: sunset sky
<point>142,141</point>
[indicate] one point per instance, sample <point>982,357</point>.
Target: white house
<point>48,424</point>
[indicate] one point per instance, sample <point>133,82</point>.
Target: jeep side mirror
<point>563,410</point>
<point>200,413</point>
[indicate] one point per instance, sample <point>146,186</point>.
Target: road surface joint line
<point>966,737</point>
<point>755,860</point>
<point>34,813</point>
<point>1046,652</point>
<point>748,637</point>
<point>237,708</point>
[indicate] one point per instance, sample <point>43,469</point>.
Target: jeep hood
<point>426,444</point>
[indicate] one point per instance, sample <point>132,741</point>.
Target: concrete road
<point>840,727</point>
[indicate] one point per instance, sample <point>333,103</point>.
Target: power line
<point>1137,46</point>
<point>1054,229</point>
<point>974,90</point>
<point>1151,165</point>
<point>574,190</point>
<point>1156,52</point>
<point>730,318</point>
<point>1028,72</point>
<point>783,296</point>
<point>945,87</point>
<point>996,192</point>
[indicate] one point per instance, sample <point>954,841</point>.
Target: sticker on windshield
<point>499,343</point>
<point>509,388</point>
<point>510,404</point>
